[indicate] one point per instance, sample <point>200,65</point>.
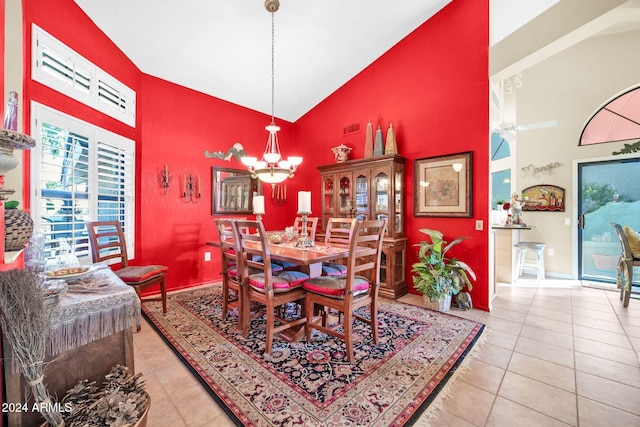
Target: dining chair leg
<point>348,333</point>
<point>270,326</point>
<point>163,295</point>
<point>225,301</point>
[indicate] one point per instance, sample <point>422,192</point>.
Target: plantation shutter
<point>80,173</point>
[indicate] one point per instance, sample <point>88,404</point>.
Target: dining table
<point>309,259</point>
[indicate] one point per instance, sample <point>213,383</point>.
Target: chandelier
<point>272,169</point>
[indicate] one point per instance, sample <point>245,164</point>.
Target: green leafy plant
<point>435,275</point>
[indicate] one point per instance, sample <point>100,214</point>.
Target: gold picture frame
<point>443,186</point>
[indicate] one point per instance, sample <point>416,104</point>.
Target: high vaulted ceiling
<point>223,48</point>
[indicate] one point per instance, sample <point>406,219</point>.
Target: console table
<point>91,330</point>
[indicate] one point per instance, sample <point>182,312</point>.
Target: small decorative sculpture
<point>368,143</point>
<point>516,209</point>
<point>237,151</point>
<point>391,146</point>
<point>11,115</point>
<point>378,149</point>
<point>341,152</point>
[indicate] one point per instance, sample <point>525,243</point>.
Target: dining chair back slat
<point>266,287</point>
<point>231,265</point>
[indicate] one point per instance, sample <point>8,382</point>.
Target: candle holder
<point>164,179</point>
<point>191,193</point>
<point>304,241</point>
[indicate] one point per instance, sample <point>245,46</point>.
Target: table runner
<point>84,315</point>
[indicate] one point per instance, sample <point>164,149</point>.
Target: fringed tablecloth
<point>95,306</point>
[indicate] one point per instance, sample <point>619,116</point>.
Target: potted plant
<point>438,277</point>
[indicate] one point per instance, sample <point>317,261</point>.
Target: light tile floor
<point>554,355</point>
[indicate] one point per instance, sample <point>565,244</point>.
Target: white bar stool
<point>535,248</point>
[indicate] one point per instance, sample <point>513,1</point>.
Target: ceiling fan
<point>506,129</point>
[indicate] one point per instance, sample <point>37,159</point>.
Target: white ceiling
<point>223,48</point>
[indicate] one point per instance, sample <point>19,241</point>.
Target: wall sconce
<point>191,191</point>
<point>457,167</point>
<point>164,179</point>
<point>279,193</point>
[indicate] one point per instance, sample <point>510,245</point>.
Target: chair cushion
<point>285,264</point>
<point>634,241</point>
<point>257,281</point>
<point>333,269</point>
<point>334,287</point>
<point>293,277</point>
<point>137,274</point>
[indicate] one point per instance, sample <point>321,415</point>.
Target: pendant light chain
<point>273,67</point>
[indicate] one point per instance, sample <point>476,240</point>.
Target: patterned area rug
<point>312,384</point>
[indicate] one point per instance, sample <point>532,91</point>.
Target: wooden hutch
<point>371,189</point>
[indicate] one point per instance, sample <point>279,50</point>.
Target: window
<point>79,172</point>
<point>56,65</point>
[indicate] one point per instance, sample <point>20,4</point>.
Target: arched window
<point>617,120</point>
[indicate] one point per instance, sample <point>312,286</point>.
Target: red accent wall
<point>179,126</point>
<point>433,86</point>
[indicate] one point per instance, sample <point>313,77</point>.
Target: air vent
<point>351,128</point>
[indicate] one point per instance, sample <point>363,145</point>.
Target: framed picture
<point>443,185</point>
<point>543,198</point>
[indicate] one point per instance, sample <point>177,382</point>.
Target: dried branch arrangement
<point>25,322</point>
<point>120,402</point>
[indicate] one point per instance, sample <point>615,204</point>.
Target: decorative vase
<point>378,149</point>
<point>9,141</point>
<point>18,229</point>
<point>391,146</point>
<point>368,143</point>
<point>341,152</point>
<point>441,305</point>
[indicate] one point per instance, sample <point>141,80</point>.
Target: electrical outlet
<point>479,224</point>
<point>550,252</point>
<point>207,256</point>
<point>567,221</point>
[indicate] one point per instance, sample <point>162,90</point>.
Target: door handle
<point>581,221</point>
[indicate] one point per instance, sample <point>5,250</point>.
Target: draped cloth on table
<point>95,306</point>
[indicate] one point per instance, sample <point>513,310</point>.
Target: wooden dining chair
<point>625,264</point>
<point>339,233</point>
<point>264,286</point>
<point>108,243</point>
<point>231,264</point>
<point>346,294</point>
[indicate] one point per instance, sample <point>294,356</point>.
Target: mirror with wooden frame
<point>233,191</point>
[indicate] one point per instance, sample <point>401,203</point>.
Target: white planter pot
<point>437,305</point>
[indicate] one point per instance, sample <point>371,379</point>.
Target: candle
<point>304,202</point>
<point>285,192</point>
<point>258,205</point>
<point>166,170</point>
<point>198,186</point>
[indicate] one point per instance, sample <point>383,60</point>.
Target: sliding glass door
<point>608,191</point>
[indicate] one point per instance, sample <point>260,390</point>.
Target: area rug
<point>313,384</point>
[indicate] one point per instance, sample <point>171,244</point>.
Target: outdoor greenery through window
<point>80,173</point>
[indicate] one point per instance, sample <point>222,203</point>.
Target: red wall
<point>433,87</point>
<point>179,126</point>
